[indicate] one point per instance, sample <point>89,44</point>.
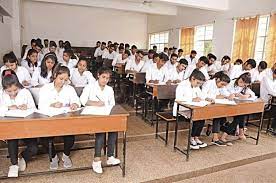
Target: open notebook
<point>247,99</point>
<point>198,104</point>
<point>92,110</point>
<point>225,101</point>
<point>18,113</point>
<point>51,111</point>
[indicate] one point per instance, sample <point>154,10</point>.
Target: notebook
<point>225,101</point>
<point>93,110</point>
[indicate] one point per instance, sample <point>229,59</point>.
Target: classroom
<point>137,91</point>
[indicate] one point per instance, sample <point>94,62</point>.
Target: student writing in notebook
<point>259,72</point>
<point>201,65</point>
<point>16,97</point>
<point>67,59</point>
<point>136,64</point>
<point>58,94</point>
<point>189,91</point>
<point>101,95</point>
<point>156,73</point>
<point>173,61</point>
<point>176,74</point>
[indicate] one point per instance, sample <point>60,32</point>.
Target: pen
<point>98,98</point>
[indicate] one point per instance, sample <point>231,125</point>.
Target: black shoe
<point>219,143</point>
<point>209,130</point>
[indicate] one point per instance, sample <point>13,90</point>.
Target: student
<point>59,94</point>
<point>133,52</point>
<point>237,70</point>
<point>154,48</point>
<point>116,48</point>
<point>148,59</point>
<point>60,49</point>
<point>259,72</point>
<point>127,46</point>
<point>156,73</point>
<point>46,46</point>
<point>40,55</point>
<point>80,76</point>
<point>202,62</point>
<point>215,89</point>
<point>173,62</point>
<point>191,58</point>
<point>121,59</point>
<point>189,90</point>
<point>135,65</point>
<point>171,51</point>
<point>238,88</point>
<point>110,54</point>
<point>100,50</point>
<point>67,61</point>
<point>53,47</point>
<point>166,51</point>
<point>180,54</point>
<point>176,74</point>
<point>22,73</point>
<point>109,43</point>
<point>101,95</point>
<point>42,75</point>
<point>223,65</point>
<point>121,50</point>
<point>31,61</point>
<point>211,66</point>
<point>32,46</point>
<point>16,97</point>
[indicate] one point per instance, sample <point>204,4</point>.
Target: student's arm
<point>111,99</point>
<point>114,61</point>
<point>269,85</point>
<point>181,93</point>
<point>44,101</point>
<point>149,75</point>
<point>27,77</point>
<point>90,77</point>
<point>96,53</point>
<point>30,101</point>
<point>74,99</point>
<point>35,77</point>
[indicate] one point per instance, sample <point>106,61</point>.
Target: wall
<point>83,26</point>
<point>223,26</point>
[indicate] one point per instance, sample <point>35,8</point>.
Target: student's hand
<point>100,104</point>
<point>197,99</point>
<point>151,81</point>
<point>231,97</point>
<point>22,107</point>
<point>156,81</point>
<point>74,106</point>
<point>57,105</point>
<point>169,82</point>
<point>12,107</point>
<point>220,96</point>
<point>210,100</point>
<point>176,81</point>
<point>244,96</point>
<point>25,83</point>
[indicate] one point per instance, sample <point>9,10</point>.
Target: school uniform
<point>173,74</point>
<point>37,79</point>
<point>191,61</point>
<point>153,73</point>
<point>148,64</point>
<point>70,64</point>
<point>169,65</point>
<point>185,92</point>
<point>217,67</point>
<point>94,92</point>
<point>79,80</point>
<point>21,72</point>
<point>108,55</point>
<point>132,65</point>
<point>23,97</point>
<point>99,52</point>
<point>179,58</point>
<point>192,67</point>
<point>119,60</point>
<point>268,86</point>
<point>258,76</point>
<point>60,53</point>
<point>45,50</point>
<point>31,68</point>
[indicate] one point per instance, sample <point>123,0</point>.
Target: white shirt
<point>37,79</point>
<point>109,56</point>
<point>79,80</point>
<point>258,76</point>
<point>235,71</point>
<point>192,67</point>
<point>173,75</point>
<point>45,50</point>
<point>70,64</point>
<point>94,92</point>
<point>190,60</point>
<point>131,65</point>
<point>49,95</point>
<point>169,65</point>
<point>99,52</point>
<point>31,69</point>
<point>231,88</point>
<point>210,89</point>
<point>23,97</point>
<point>185,92</point>
<point>179,58</point>
<point>119,60</point>
<point>148,64</point>
<point>268,86</point>
<point>21,72</point>
<point>153,73</point>
<point>218,67</point>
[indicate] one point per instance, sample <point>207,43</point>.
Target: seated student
<point>238,88</point>
<point>173,62</point>
<point>156,73</point>
<point>16,97</point>
<point>42,75</point>
<point>149,64</point>
<point>215,89</point>
<point>67,61</point>
<point>259,72</point>
<point>101,95</point>
<point>127,46</point>
<point>223,65</point>
<point>189,90</point>
<point>121,59</point>
<point>32,46</point>
<point>31,61</point>
<point>116,47</point>
<point>53,47</point>
<point>176,74</point>
<point>148,59</point>
<point>237,70</point>
<point>80,76</point>
<point>171,51</point>
<point>59,94</point>
<point>202,62</point>
<point>22,73</point>
<point>268,89</point>
<point>133,52</point>
<point>180,54</point>
<point>60,49</point>
<point>40,55</point>
<point>110,54</point>
<point>121,50</point>
<point>46,46</point>
<point>211,66</point>
<point>137,64</point>
<point>154,48</point>
<point>191,58</point>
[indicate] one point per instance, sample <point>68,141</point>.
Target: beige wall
<point>223,26</point>
<point>83,26</point>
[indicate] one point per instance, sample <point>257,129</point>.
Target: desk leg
<point>189,138</point>
<point>260,128</point>
<point>124,154</point>
<point>50,141</point>
<point>176,127</point>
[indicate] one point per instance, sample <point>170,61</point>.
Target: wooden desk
<point>137,78</point>
<point>120,70</point>
<point>217,111</point>
<point>37,125</point>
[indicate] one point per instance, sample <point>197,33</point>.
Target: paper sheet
<point>198,104</point>
<point>92,110</point>
<point>51,111</point>
<point>19,113</point>
<point>225,101</point>
<point>247,99</point>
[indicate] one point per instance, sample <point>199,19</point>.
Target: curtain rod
<point>253,16</point>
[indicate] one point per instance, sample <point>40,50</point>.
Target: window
<point>203,39</point>
<point>160,40</point>
<point>261,38</point>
